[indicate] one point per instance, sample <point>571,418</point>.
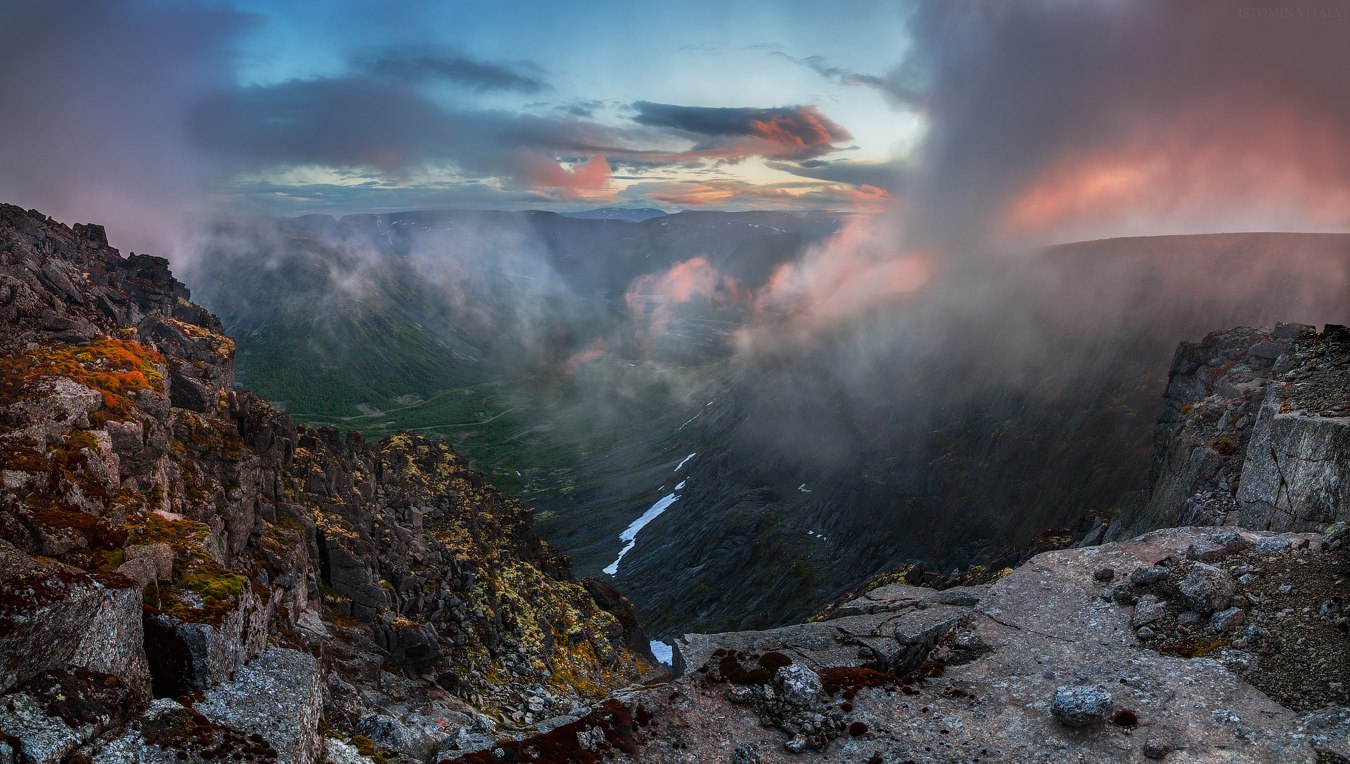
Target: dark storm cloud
<point>887,175</point>
<point>362,122</point>
<point>790,126</point>
<point>453,66</point>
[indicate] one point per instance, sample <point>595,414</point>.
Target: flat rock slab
<point>896,597</point>
<point>879,639</point>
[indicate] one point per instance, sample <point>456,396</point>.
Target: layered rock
<point>164,528</point>
<point>1255,431</point>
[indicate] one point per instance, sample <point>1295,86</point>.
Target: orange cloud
<point>857,270</point>
<point>794,195</point>
<point>1273,171</point>
<point>652,298</point>
<point>593,352</point>
<point>590,179</point>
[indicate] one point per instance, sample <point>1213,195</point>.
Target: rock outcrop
<point>166,536</point>
<point>1255,431</point>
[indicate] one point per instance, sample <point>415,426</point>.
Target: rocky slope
<point>187,575</point>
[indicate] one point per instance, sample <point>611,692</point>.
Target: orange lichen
<point>118,368</point>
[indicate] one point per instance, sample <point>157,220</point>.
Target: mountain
<point>186,569</point>
<point>636,215</point>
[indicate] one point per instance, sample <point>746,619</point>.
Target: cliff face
<point>167,536</point>
<point>1255,431</point>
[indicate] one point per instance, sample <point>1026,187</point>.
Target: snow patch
<point>685,460</point>
<point>629,535</point>
<point>803,488</point>
<point>663,652</point>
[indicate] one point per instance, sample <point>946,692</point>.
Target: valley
<point>724,489</point>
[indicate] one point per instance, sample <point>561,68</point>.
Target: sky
<point>1039,120</point>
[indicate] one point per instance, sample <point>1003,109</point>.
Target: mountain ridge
<point>368,578</point>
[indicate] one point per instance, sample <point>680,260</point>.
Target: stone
<point>341,752</point>
<point>798,685</point>
<point>142,571</point>
<point>1149,575</point>
<point>1081,705</point>
<point>159,555</point>
<point>1147,610</point>
<point>1274,545</point>
<point>277,695</point>
<point>1103,574</point>
<point>895,642</point>
<point>1328,729</point>
<point>1189,618</point>
<point>1228,620</point>
<point>1232,541</point>
<point>745,753</point>
<point>1206,588</point>
<point>55,615</point>
<point>1206,551</point>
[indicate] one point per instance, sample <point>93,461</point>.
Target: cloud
<point>889,175</point>
<point>858,269</point>
<point>789,131</point>
<point>362,122</point>
<point>894,85</point>
<point>96,98</point>
<point>737,194</point>
<point>1102,118</point>
<point>585,180</point>
<point>652,298</point>
<point>352,121</point>
<point>452,66</point>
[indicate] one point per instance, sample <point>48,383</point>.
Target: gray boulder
<point>1207,588</point>
<point>1081,705</point>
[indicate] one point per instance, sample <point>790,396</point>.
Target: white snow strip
<point>629,535</point>
<point>687,421</point>
<point>803,488</point>
<point>685,461</point>
<point>663,652</point>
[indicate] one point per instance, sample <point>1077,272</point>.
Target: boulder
<point>279,696</point>
<point>798,685</point>
<point>1207,588</point>
<point>53,616</point>
<point>1081,705</point>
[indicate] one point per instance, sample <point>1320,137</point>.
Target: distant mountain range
<point>632,215</point>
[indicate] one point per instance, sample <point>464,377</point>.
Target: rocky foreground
<point>186,575</point>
